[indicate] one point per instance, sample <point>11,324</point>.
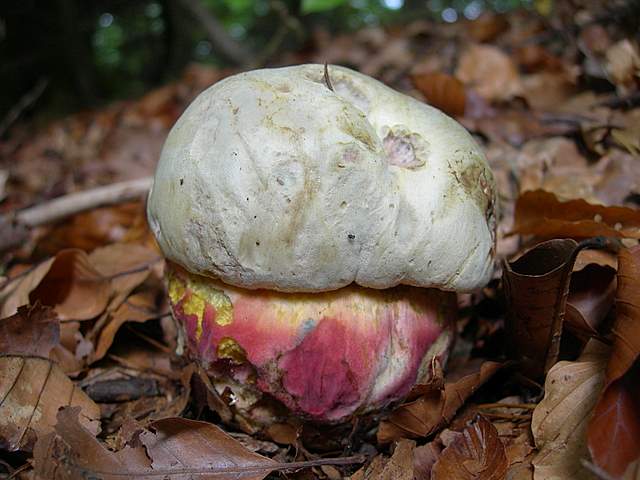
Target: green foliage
<point>313,6</point>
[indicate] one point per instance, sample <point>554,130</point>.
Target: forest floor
<point>544,379</point>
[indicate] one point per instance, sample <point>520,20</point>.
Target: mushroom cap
<point>273,180</point>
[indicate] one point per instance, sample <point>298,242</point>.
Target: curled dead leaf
<point>437,405</point>
<point>475,454</point>
<point>536,287</point>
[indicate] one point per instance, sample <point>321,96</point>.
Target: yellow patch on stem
<point>195,293</point>
<point>230,349</point>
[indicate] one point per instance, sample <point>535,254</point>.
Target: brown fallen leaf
<point>626,330</point>
<point>541,214</point>
<point>559,423</point>
<point>591,294</point>
<point>438,405</point>
<point>174,448</point>
<point>94,228</point>
<point>623,65</point>
<point>33,330</point>
<point>80,286</point>
<point>73,287</point>
<point>614,431</point>
<point>425,457</point>
<point>536,287</point>
<point>399,467</point>
<point>137,308</point>
<point>32,390</point>
<point>442,91</point>
<point>475,454</point>
<point>15,291</point>
<point>490,72</point>
<point>74,452</point>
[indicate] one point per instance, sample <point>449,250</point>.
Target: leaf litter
<point>84,313</point>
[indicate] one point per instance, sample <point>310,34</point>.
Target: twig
<point>508,416</point>
<point>14,227</point>
<point>235,471</point>
<point>525,406</point>
<point>217,34</point>
<point>596,470</point>
<point>77,202</point>
<point>25,102</point>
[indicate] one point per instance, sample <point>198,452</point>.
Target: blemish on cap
<point>404,148</point>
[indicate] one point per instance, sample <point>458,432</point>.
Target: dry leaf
<point>76,453</point>
<point>475,454</point>
<point>626,330</point>
<point>137,308</point>
<point>591,294</point>
<point>536,287</point>
<point>15,291</point>
<point>73,287</point>
<point>398,467</point>
<point>437,406</point>
<point>33,330</point>
<point>442,91</point>
<point>614,429</point>
<point>174,448</point>
<point>560,420</point>
<point>94,228</point>
<point>32,390</point>
<point>541,214</point>
<point>487,26</point>
<point>425,457</point>
<point>623,64</point>
<point>490,72</point>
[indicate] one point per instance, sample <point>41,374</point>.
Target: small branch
<point>77,202</point>
<point>14,228</point>
<point>596,470</point>
<point>217,34</point>
<point>524,406</point>
<point>25,102</point>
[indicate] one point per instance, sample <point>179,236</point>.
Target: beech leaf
<point>32,390</point>
<point>443,91</point>
<point>171,448</point>
<point>33,330</point>
<point>536,286</point>
<point>614,429</point>
<point>559,422</point>
<point>626,330</point>
<point>475,454</point>
<point>540,213</point>
<point>436,407</point>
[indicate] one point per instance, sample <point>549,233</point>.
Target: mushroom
<point>316,226</point>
